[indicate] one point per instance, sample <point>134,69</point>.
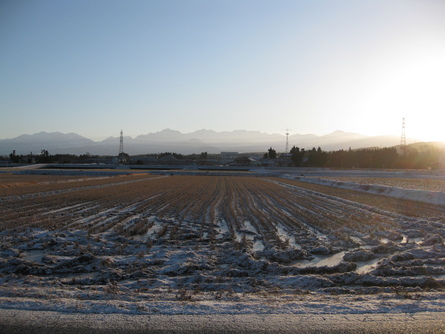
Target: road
<point>20,321</point>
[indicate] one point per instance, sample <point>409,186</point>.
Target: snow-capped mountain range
<point>209,141</point>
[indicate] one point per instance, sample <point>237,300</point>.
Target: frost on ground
<point>74,272</point>
<point>203,244</point>
<point>426,187</point>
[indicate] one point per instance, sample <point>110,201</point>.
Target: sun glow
<point>427,129</point>
<point>410,87</point>
<point>423,89</point>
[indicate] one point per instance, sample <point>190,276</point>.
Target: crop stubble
<point>204,200</point>
<point>232,229</point>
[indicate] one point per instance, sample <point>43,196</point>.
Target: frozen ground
<point>30,322</point>
<point>219,245</point>
<point>423,186</point>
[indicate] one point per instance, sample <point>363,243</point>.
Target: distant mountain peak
<point>168,140</point>
<point>341,132</point>
<point>168,130</point>
<point>206,131</point>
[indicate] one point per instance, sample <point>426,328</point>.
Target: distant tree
<point>338,159</point>
<point>64,158</point>
<point>372,158</point>
<point>44,156</point>
<point>317,158</point>
<point>203,156</point>
<point>312,158</point>
<point>13,157</point>
<point>297,156</point>
<point>271,153</point>
<point>193,156</point>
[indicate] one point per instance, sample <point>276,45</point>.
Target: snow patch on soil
<point>432,197</point>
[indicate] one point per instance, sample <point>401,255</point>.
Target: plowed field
<point>188,237</point>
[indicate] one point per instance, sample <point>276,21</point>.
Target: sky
<point>316,66</point>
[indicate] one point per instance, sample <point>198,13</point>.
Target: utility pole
<point>121,144</point>
<point>121,157</point>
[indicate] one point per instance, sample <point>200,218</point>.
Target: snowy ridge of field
<point>237,304</point>
<point>432,197</point>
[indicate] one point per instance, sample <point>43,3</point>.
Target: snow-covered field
<point>189,244</point>
<point>432,185</point>
<point>425,186</point>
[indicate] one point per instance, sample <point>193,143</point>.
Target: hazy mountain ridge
<point>203,140</point>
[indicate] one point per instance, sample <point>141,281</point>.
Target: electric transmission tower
<point>287,141</point>
<point>403,137</point>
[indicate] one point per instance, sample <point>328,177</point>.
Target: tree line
<point>388,157</point>
<point>46,157</point>
<point>409,157</point>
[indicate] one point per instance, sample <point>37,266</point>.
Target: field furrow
<point>215,234</point>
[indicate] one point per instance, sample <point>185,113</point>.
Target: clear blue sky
<point>98,66</point>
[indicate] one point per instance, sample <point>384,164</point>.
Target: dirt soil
<point>187,244</point>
